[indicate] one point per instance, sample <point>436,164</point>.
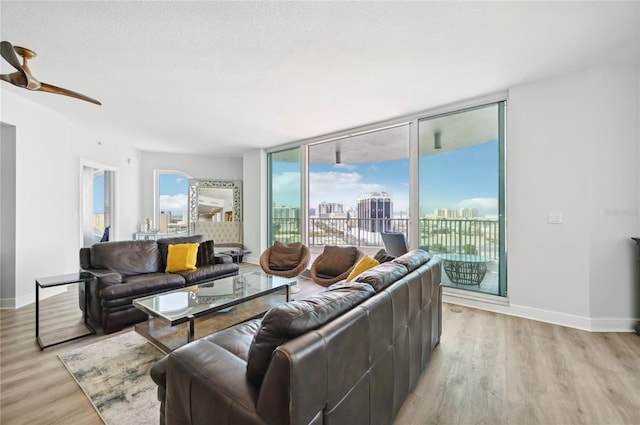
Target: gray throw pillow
<point>413,259</point>
<point>206,254</point>
<point>383,256</point>
<point>383,275</point>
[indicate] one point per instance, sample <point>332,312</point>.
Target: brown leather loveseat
<point>125,270</point>
<point>348,355</point>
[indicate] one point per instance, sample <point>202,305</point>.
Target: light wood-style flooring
<point>488,369</point>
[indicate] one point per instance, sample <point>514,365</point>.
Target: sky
<point>98,194</point>
<point>174,189</point>
<point>463,178</point>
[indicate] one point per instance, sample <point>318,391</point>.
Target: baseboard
<point>7,303</point>
<point>251,259</point>
<point>613,325</point>
<point>13,303</point>
<point>503,306</point>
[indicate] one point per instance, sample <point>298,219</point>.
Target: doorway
<point>461,196</point>
<point>98,203</point>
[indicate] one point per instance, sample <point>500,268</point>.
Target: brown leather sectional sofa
<point>125,270</point>
<point>347,355</point>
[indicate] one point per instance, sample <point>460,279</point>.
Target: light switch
<point>554,218</point>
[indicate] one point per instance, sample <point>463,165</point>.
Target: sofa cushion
<point>383,275</point>
<point>209,272</point>
<point>336,260</point>
<point>413,259</point>
<point>182,257</point>
<point>285,256</point>
<point>127,257</point>
<point>206,254</point>
<point>292,319</point>
<point>142,285</point>
<point>364,264</point>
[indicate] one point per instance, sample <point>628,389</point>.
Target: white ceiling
<point>223,77</point>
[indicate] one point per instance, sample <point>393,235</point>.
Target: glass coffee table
<point>219,304</point>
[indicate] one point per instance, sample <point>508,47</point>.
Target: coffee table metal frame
<point>67,279</point>
<point>141,303</point>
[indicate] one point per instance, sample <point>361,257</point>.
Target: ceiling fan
<point>23,77</point>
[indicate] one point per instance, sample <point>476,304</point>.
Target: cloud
<point>174,203</point>
<point>286,187</point>
<point>483,205</point>
<point>345,167</point>
<point>344,188</point>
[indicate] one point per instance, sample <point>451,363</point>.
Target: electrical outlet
<point>554,218</point>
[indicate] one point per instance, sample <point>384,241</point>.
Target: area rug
<point>114,374</point>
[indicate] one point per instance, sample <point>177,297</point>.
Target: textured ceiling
<point>223,77</point>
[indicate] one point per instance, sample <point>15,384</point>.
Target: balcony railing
<point>466,236</point>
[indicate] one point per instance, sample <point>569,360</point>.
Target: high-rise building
<point>468,212</point>
<point>282,211</point>
<point>375,211</point>
<point>331,210</point>
<point>446,213</point>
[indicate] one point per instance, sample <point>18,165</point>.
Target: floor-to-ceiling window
<point>461,181</point>
<point>359,188</point>
<point>360,184</point>
<point>285,198</point>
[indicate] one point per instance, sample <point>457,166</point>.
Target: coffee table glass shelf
<point>212,305</point>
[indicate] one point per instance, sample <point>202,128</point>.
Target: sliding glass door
<point>358,188</point>
<point>461,196</point>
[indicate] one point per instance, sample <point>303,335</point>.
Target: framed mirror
<point>215,210</point>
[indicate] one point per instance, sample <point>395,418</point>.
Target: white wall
<point>614,200</point>
<point>572,147</point>
<point>49,149</point>
<point>7,214</point>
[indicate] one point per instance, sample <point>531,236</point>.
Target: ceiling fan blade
<point>9,54</point>
<point>57,90</point>
<point>15,78</point>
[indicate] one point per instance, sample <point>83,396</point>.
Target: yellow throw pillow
<point>182,257</point>
<point>364,264</point>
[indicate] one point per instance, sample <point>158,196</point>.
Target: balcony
<point>476,239</point>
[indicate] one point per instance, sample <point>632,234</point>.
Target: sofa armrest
<point>206,382</point>
<point>223,259</point>
<point>294,389</point>
<point>105,277</point>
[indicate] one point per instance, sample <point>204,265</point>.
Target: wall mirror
<point>214,201</point>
